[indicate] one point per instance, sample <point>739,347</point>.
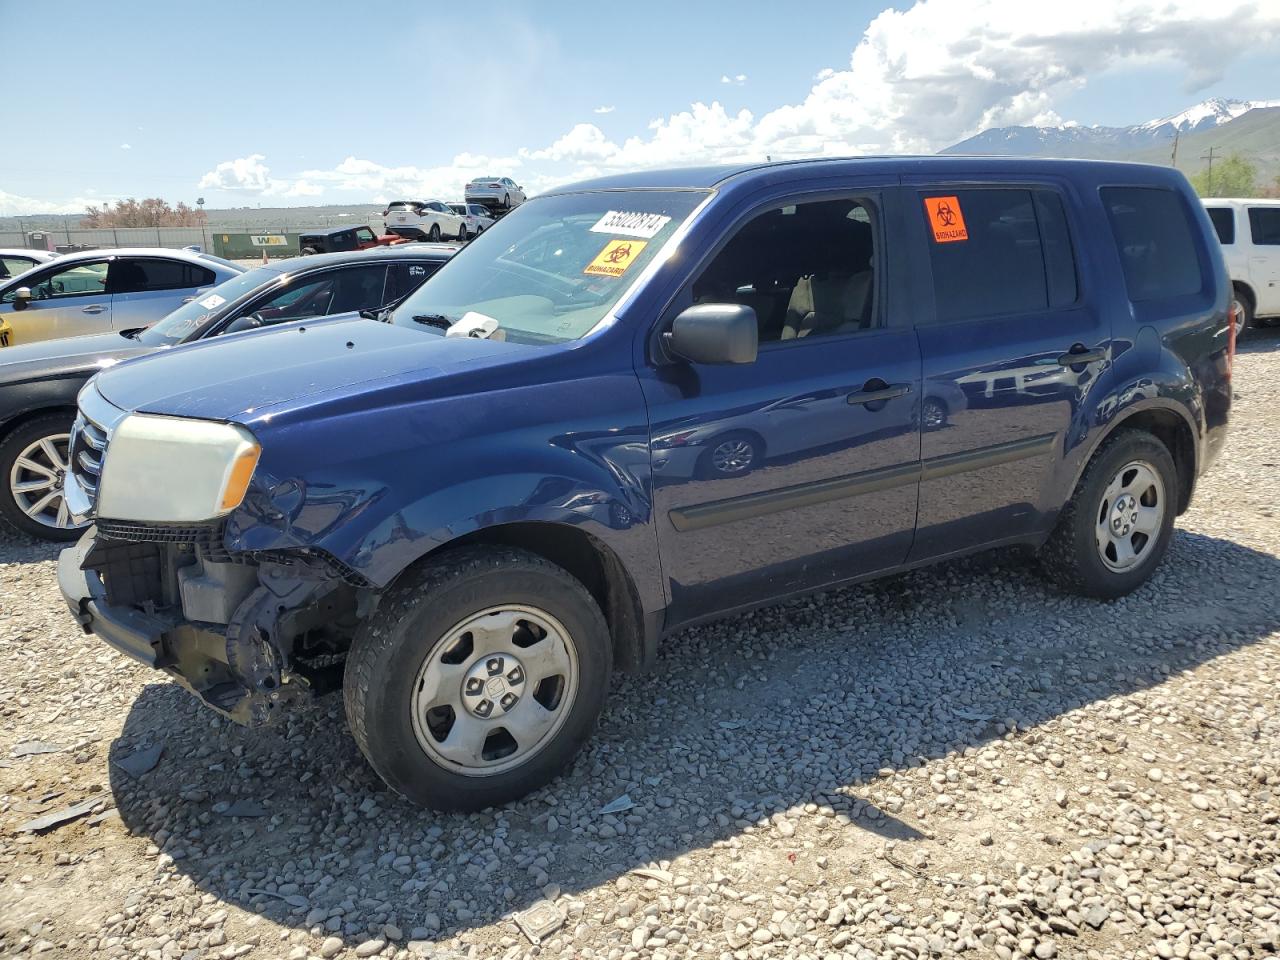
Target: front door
<point>68,300</point>
<point>1002,385</point>
<point>800,469</point>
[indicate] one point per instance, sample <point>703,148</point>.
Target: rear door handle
<point>1079,355</point>
<point>94,308</point>
<point>884,393</point>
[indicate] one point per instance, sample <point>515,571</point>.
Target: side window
<point>130,275</point>
<point>1153,236</point>
<point>78,280</point>
<point>1264,226</point>
<point>997,251</point>
<point>307,299</point>
<point>358,288</point>
<point>365,235</point>
<point>404,278</point>
<point>1224,224</point>
<point>807,269</point>
<point>12,266</point>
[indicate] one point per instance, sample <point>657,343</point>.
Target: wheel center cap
<point>1124,514</point>
<point>493,685</point>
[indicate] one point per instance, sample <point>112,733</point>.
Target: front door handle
<point>1080,354</point>
<point>94,308</point>
<point>880,394</point>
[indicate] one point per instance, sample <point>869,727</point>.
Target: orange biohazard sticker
<point>946,219</point>
<point>614,259</point>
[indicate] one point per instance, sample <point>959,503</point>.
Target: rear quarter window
<point>1155,241</point>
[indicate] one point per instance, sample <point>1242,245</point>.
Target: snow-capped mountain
<point>1100,142</point>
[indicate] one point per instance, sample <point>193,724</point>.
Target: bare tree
<point>151,212</point>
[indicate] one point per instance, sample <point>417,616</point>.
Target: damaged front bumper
<point>233,666</point>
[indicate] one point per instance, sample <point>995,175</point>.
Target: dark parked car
<point>467,504</point>
<point>342,239</point>
<point>39,382</point>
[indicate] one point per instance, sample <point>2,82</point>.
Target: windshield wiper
<point>433,320</point>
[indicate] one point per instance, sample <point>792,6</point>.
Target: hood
<point>52,358</point>
<point>226,378</point>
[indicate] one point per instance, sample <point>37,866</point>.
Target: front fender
<point>378,499</point>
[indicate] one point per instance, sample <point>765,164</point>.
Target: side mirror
<point>715,333</point>
<point>21,298</point>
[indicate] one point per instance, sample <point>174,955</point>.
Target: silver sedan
<point>102,290</point>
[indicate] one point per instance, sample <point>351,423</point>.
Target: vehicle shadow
<point>17,548</point>
<point>905,669</point>
<point>1260,340</point>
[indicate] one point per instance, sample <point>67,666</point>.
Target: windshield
<point>550,271</point>
<point>190,317</point>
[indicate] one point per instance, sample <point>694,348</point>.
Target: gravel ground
<point>954,761</point>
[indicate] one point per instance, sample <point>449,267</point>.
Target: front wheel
<point>34,459</point>
<point>462,233</point>
<point>478,679</point>
<point>308,252</point>
<point>1117,526</point>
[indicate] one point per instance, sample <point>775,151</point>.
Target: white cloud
<point>126,146</point>
<point>14,205</point>
<point>608,109</point>
<point>917,80</point>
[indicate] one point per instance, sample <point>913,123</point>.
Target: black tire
<point>308,252</point>
<point>47,425</point>
<point>1070,558</point>
<point>751,449</point>
<point>506,201</point>
<point>462,233</point>
<point>1244,304</point>
<point>434,235</point>
<point>414,618</point>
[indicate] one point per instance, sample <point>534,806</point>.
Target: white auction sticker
<point>212,300</point>
<point>628,224</point>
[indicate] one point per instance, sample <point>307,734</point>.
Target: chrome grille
<point>88,448</point>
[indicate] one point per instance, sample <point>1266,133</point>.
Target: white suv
<point>1249,231</point>
<point>424,220</point>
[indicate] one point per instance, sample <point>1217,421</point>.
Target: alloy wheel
<point>35,481</point>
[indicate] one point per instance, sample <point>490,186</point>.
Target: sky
<point>288,103</point>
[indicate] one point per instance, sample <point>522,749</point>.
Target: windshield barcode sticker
<point>625,224</point>
<point>211,301</point>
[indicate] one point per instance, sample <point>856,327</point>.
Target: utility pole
<point>1209,156</point>
<point>1174,162</point>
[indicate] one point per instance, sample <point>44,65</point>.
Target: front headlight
<point>170,470</point>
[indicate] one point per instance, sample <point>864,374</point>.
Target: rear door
<point>147,289</point>
<point>800,469</point>
<point>1264,258</point>
<point>1009,354</point>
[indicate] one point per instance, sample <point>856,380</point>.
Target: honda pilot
<point>639,403</point>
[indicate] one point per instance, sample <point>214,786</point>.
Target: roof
<point>329,231</point>
<point>167,252</point>
<point>23,252</point>
<point>706,177</point>
<point>435,252</point>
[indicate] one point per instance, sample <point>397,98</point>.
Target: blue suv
<point>639,403</point>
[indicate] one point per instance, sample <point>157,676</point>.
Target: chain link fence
<point>66,239</point>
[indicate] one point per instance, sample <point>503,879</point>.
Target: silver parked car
<point>477,217</point>
<point>102,290</point>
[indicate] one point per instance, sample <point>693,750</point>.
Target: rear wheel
<point>478,679</point>
<point>308,252</point>
<point>34,459</point>
<point>434,235</point>
<point>462,233</point>
<point>1243,305</point>
<point>506,201</point>
<point>1116,528</point>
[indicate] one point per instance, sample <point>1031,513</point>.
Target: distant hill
<point>249,218</point>
<point>1249,127</point>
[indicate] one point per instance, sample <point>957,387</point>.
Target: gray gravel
<point>958,761</point>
